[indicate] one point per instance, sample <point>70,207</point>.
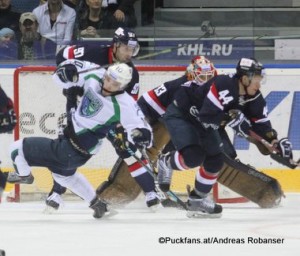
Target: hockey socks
<point>205,180</point>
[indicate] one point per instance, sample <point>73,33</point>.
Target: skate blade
<point>110,213</point>
<point>155,208</point>
<point>203,215</point>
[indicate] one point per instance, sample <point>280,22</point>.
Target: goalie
<point>257,187</point>
<point>8,122</point>
<point>197,112</point>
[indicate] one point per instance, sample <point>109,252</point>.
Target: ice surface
<point>135,231</point>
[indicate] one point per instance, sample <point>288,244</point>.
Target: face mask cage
<point>202,75</point>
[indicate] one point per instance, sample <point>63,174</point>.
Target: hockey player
<point>120,187</point>
<point>193,120</point>
<point>124,46</point>
<point>103,105</point>
<point>8,118</point>
<point>8,122</point>
<point>155,102</point>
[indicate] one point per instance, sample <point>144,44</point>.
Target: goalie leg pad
<point>121,188</point>
<point>161,137</point>
<point>250,183</point>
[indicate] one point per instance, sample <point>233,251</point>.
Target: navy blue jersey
<point>101,55</point>
<point>7,115</point>
<point>4,101</point>
<point>155,102</point>
<point>210,102</point>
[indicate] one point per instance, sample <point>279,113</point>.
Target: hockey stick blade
<point>203,215</point>
<point>170,194</point>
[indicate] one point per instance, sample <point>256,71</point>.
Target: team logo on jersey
<point>195,113</point>
<point>91,104</point>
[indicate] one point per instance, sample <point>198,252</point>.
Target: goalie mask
<point>201,70</point>
<point>127,37</point>
<point>120,73</point>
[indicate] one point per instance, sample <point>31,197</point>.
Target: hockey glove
<point>67,73</point>
<point>73,92</point>
<point>239,123</point>
<point>119,138</point>
<point>8,121</point>
<point>141,137</point>
<point>284,147</point>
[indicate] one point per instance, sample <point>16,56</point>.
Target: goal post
<point>39,103</point>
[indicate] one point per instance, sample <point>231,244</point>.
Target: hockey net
<point>39,105</point>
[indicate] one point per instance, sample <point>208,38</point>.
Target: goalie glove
<point>67,73</point>
<point>141,137</point>
<point>284,147</point>
<point>8,121</point>
<point>239,123</point>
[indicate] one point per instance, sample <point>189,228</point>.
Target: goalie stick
<point>163,195</point>
<point>274,152</point>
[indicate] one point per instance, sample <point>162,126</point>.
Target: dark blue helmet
<point>249,67</point>
<point>127,37</point>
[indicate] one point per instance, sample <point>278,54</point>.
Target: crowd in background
<point>36,34</point>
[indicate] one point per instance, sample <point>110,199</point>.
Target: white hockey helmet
<point>201,69</point>
<point>121,73</point>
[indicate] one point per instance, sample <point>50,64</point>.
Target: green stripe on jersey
<point>93,76</point>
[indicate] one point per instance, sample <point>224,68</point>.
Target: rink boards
<point>44,103</point>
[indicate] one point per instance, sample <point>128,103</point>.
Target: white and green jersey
<point>96,114</point>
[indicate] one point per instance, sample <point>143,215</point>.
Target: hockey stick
<point>171,195</point>
<point>268,145</point>
<point>94,68</point>
<point>274,152</point>
<point>90,69</point>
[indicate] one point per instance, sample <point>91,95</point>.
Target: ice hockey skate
<point>152,200</point>
<point>53,203</point>
<point>198,207</point>
<point>101,209</point>
<point>13,177</point>
<point>164,176</point>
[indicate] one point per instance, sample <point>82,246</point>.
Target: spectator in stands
<point>148,7</point>
<point>147,12</point>
<point>56,21</point>
<point>31,45</point>
<point>8,17</point>
<point>8,46</point>
<point>91,19</point>
<point>119,13</point>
